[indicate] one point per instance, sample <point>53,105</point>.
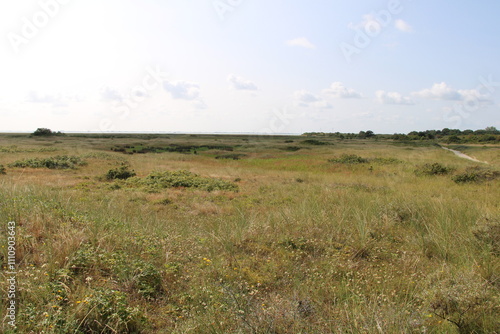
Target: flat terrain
<point>250,234</point>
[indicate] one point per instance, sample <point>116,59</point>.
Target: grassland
<point>242,234</point>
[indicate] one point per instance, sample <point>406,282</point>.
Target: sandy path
<point>462,155</point>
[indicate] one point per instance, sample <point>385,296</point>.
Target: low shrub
<point>231,156</point>
<point>2,170</point>
<point>166,179</point>
<point>464,299</point>
<point>291,148</point>
<point>476,175</point>
<point>314,142</point>
<point>349,159</point>
<point>58,162</point>
<point>433,169</point>
<point>120,173</point>
<point>488,233</point>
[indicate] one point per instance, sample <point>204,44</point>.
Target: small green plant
<point>147,279</point>
<point>2,170</point>
<point>58,162</point>
<point>349,159</point>
<point>433,169</point>
<point>84,259</point>
<point>120,173</point>
<point>108,311</point>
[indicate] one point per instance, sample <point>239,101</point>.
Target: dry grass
<point>305,245</point>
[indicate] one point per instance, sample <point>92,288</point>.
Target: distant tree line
<point>44,132</point>
<point>487,135</point>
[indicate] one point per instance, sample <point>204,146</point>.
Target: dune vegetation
<point>250,234</point>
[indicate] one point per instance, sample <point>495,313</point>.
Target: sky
<point>241,66</point>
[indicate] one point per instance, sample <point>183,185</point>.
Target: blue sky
<point>249,66</point>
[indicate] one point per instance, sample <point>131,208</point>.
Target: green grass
<point>304,246</point>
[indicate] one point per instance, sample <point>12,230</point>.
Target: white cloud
<point>403,26</point>
<point>302,42</point>
<point>441,91</point>
<point>56,100</point>
<point>36,97</point>
<point>392,98</point>
<point>110,94</point>
<point>182,90</point>
<point>303,98</point>
<point>338,90</point>
<point>322,104</point>
<point>239,83</point>
<point>473,95</point>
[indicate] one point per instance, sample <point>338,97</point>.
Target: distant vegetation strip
<point>453,136</point>
<point>487,135</point>
<point>184,148</point>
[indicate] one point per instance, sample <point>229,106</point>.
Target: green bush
<point>314,142</point>
<point>166,179</point>
<point>476,175</point>
<point>2,170</point>
<point>120,173</point>
<point>433,169</point>
<point>349,159</point>
<point>58,162</point>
